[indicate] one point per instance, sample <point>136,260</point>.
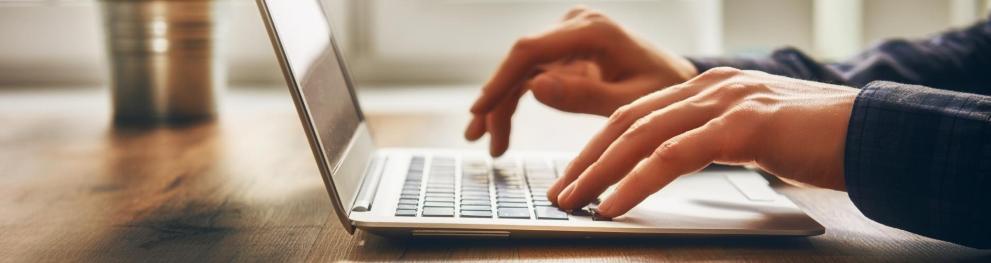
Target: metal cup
<point>166,60</point>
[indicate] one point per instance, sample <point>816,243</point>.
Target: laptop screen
<point>311,56</point>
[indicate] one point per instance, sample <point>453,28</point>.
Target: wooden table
<point>245,188</point>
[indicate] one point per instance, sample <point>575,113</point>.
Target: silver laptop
<point>447,193</point>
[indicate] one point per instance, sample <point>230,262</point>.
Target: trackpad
<point>725,200</point>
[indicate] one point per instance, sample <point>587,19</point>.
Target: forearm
<point>953,60</point>
<point>919,159</point>
<point>789,62</point>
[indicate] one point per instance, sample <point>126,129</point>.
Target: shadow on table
<point>658,249</point>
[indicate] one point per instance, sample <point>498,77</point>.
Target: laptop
<point>452,193</point>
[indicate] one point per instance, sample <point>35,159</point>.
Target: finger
<point>618,123</point>
<point>499,123</point>
<point>573,93</point>
<point>566,39</point>
<point>621,120</point>
<point>633,146</point>
<point>476,128</point>
<point>686,153</point>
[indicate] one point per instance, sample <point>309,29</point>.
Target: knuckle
<point>720,73</point>
<point>761,100</point>
<point>727,93</point>
<point>622,115</point>
<point>600,24</point>
<point>593,15</point>
<point>743,112</point>
<point>667,152</point>
<point>524,44</point>
<point>638,128</point>
<point>734,89</point>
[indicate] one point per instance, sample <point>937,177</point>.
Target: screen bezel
<point>360,147</point>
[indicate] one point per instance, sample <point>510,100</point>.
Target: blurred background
<point>425,42</point>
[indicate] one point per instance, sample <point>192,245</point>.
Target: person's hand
<point>587,64</point>
<point>794,129</point>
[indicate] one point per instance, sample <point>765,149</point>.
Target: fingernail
<point>561,198</point>
<point>605,208</point>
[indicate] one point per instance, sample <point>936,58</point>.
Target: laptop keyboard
<point>506,188</point>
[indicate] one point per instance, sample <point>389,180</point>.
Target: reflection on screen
<point>306,38</point>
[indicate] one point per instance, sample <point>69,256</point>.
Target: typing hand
<point>587,64</point>
<point>791,128</point>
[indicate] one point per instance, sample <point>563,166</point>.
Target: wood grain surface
<point>245,188</point>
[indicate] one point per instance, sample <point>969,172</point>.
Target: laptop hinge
<point>366,193</point>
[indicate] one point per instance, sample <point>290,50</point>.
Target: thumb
<point>575,93</point>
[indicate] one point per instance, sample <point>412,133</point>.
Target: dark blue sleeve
<point>917,158</point>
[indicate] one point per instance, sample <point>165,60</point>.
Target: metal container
<point>167,64</point>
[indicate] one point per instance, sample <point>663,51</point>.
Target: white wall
<point>445,41</point>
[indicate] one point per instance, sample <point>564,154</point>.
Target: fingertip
<point>551,197</point>
<point>547,89</point>
<point>609,208</point>
<point>553,191</point>
<point>475,129</point>
<point>563,200</point>
<point>497,148</point>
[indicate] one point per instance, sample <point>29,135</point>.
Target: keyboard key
<point>440,191</point>
<point>485,214</point>
<point>438,204</point>
<point>579,212</point>
<point>597,217</point>
<point>512,204</point>
<point>475,202</point>
<point>476,207</point>
<point>451,195</point>
<point>511,199</point>
<point>510,192</point>
<point>439,199</point>
<point>514,213</point>
<point>406,206</point>
<point>475,193</point>
<point>407,201</point>
<point>438,211</point>
<point>408,196</point>
<point>405,212</point>
<point>541,203</point>
<point>549,213</point>
<point>475,197</point>
<point>408,192</point>
<point>475,187</point>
